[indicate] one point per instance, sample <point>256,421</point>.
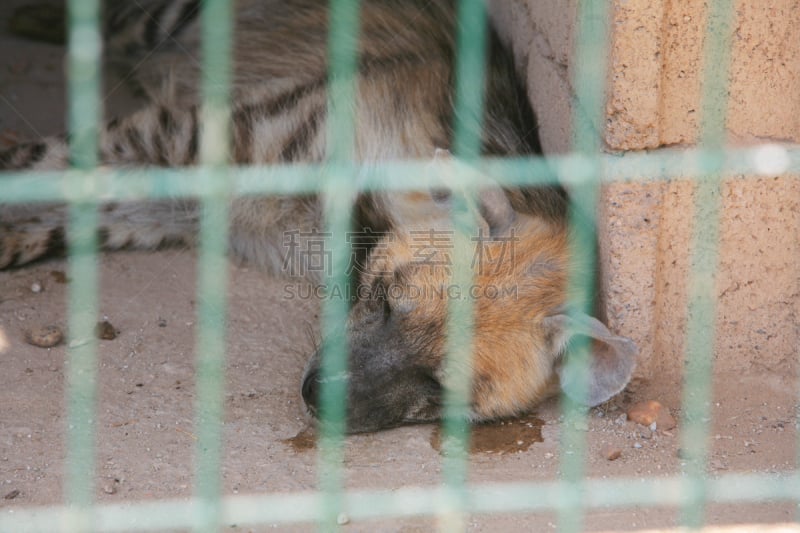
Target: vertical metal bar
<point>83,61</point>
<point>470,78</point>
<point>338,196</point>
<point>81,361</point>
<point>701,313</point>
<point>470,71</point>
<point>587,121</point>
<point>217,23</point>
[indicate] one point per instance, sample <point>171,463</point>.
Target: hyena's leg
<point>154,136</point>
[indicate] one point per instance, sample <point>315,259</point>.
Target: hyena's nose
<point>311,390</point>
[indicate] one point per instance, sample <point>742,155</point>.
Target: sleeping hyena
<point>404,109</point>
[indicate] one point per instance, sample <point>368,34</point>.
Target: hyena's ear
<point>493,204</point>
<point>495,208</point>
<point>613,358</point>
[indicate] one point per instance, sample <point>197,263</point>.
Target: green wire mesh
<point>83,60</point>
<point>287,508</point>
<point>339,195</point>
<point>583,171</point>
<point>701,314</point>
<point>106,184</point>
<point>587,116</point>
<point>212,266</point>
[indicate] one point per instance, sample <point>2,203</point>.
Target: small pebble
<point>44,336</point>
<point>610,452</point>
<point>637,445</point>
<point>342,519</point>
<point>106,331</point>
<point>11,495</point>
<point>621,419</point>
<point>649,412</point>
<point>110,488</point>
<point>36,287</point>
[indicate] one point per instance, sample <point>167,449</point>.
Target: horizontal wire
<point>106,184</point>
<point>413,501</point>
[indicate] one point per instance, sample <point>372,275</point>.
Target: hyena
<point>403,110</point>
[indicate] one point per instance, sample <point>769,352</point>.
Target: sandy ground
<point>145,438</point>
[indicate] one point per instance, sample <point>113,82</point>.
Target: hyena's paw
<point>21,245</point>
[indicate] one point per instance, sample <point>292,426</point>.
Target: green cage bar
<point>289,508</point>
<point>339,192</point>
<point>587,121</point>
<point>132,184</point>
<point>701,312</point>
<point>470,71</point>
<point>216,18</point>
<point>83,111</point>
<point>214,182</point>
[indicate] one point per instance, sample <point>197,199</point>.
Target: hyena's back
<point>279,110</point>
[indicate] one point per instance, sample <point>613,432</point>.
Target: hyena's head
<point>397,330</point>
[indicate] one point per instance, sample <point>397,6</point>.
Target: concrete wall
<point>653,101</point>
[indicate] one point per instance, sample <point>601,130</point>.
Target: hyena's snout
<point>378,401</point>
<point>381,404</point>
<point>388,380</point>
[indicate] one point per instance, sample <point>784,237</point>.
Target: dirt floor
<point>145,439</point>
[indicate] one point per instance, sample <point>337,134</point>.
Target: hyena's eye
<point>387,309</point>
<point>435,385</point>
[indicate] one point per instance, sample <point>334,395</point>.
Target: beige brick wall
<point>653,101</point>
